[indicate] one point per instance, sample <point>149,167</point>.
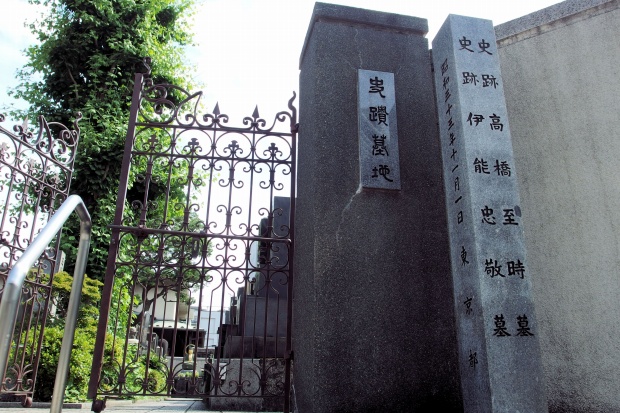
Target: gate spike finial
<point>255,115</point>
<point>216,109</point>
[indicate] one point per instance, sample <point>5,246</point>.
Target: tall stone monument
<point>374,323</point>
<point>499,354</point>
<point>260,313</point>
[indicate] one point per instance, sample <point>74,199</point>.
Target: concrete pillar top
<point>325,12</point>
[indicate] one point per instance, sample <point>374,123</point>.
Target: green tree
<point>85,61</point>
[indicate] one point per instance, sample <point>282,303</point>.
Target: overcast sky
<point>248,51</point>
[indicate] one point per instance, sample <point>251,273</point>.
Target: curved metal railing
<point>13,289</point>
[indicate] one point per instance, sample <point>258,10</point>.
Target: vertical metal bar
<point>44,314</point>
<point>291,257</point>
<point>106,297</point>
<point>72,311</point>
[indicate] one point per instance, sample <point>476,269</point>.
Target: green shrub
<point>83,342</point>
<point>79,371</point>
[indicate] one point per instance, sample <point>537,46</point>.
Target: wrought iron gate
<point>198,289</point>
<point>35,175</point>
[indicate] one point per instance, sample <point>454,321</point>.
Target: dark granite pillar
<point>374,325</point>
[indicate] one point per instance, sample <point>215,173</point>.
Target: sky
<point>247,51</point>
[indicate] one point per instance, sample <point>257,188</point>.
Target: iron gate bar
<point>213,126</point>
<point>106,297</point>
<point>291,253</point>
<point>166,253</point>
<point>197,235</point>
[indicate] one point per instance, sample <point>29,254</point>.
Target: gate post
<point>374,325</point>
<point>106,297</point>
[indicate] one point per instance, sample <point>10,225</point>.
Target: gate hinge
<point>290,355</point>
<point>295,128</point>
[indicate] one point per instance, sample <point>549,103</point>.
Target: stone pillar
<point>374,324</point>
<point>499,354</point>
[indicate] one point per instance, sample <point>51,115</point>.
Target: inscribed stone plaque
<point>499,353</point>
<point>378,136</point>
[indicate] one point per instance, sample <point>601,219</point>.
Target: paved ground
<point>161,406</point>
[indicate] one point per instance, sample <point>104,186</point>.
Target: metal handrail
<point>17,276</point>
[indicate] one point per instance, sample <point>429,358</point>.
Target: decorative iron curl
<point>60,148</point>
<point>146,66</point>
<point>274,147</point>
<point>171,111</point>
<point>158,97</point>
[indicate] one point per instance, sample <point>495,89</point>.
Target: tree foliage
<point>88,53</point>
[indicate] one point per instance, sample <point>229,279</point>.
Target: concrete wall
<point>561,71</point>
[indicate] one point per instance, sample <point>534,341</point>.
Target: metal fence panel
<point>35,176</point>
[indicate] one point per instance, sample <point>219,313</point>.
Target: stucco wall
<point>561,73</point>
